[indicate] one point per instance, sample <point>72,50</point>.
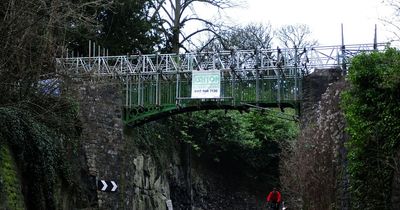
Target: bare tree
<point>251,36</point>
<point>392,22</point>
<point>176,14</point>
<point>32,33</point>
<point>298,35</point>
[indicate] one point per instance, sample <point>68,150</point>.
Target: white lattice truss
<point>239,62</point>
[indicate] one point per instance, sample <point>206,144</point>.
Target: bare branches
<point>295,35</point>
<point>176,14</point>
<point>32,33</point>
<point>220,4</point>
<point>393,20</point>
<point>252,36</point>
<point>185,38</point>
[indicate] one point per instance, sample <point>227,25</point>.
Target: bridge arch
<point>141,115</point>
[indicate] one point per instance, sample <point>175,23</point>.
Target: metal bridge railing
<point>306,59</point>
<point>266,77</point>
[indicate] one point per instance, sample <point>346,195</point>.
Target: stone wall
<point>150,165</point>
<point>102,132</point>
<point>331,128</point>
<point>313,86</point>
<point>112,153</point>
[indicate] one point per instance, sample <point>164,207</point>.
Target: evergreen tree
<point>122,27</point>
<point>129,28</point>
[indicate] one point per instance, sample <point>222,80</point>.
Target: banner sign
<point>206,84</point>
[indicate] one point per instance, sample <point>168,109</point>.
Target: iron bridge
<point>160,84</point>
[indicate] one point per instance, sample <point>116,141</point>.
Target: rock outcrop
<point>314,173</point>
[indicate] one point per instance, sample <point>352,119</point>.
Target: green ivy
<point>10,185</point>
<point>41,144</point>
<point>371,108</point>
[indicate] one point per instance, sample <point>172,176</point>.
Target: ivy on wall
<point>372,112</point>
<point>10,185</point>
<point>41,144</point>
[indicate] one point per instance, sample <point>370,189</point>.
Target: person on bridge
<point>274,199</point>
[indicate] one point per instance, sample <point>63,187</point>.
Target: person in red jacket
<point>274,199</point>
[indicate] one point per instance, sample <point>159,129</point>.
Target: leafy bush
<point>247,145</point>
<point>372,111</point>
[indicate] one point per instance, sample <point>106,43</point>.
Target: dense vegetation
<point>247,145</point>
<point>46,149</point>
<point>372,111</point>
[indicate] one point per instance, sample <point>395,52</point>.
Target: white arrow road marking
<point>114,186</point>
<point>104,185</point>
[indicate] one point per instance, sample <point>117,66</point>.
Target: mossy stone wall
<point>11,196</point>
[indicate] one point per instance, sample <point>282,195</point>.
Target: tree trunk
<point>177,28</point>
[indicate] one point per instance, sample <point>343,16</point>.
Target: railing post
<point>177,101</point>
<point>127,96</point>
<point>213,59</point>
<point>144,59</point>
<point>279,76</point>
<point>257,85</point>
<point>99,61</point>
<point>343,48</point>
<point>130,91</point>
<point>257,54</point>
<point>90,50</point>
<point>93,55</point>
<point>296,59</point>
<point>140,58</point>
<point>77,65</point>
<point>375,39</point>
<point>237,61</point>
<point>158,70</point>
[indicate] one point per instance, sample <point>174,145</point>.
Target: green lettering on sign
<point>206,84</point>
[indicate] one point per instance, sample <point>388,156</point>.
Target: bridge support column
<point>102,131</point>
<point>314,85</point>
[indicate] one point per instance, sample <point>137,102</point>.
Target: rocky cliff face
<point>331,129</point>
<point>314,86</point>
<point>314,173</point>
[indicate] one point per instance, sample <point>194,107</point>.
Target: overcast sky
<point>324,17</point>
